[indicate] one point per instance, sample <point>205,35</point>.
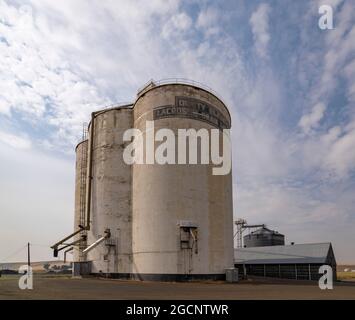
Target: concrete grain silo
<point>111,186</point>
<point>154,221</point>
<point>172,201</point>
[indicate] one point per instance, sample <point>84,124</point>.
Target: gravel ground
<point>65,287</point>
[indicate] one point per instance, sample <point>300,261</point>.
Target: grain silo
<point>155,221</point>
<point>179,199</point>
<point>110,193</point>
<point>264,237</point>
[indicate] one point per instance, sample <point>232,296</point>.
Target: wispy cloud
<point>207,21</point>
<point>259,22</point>
<point>311,120</point>
<point>15,141</point>
<point>38,80</point>
<point>178,23</point>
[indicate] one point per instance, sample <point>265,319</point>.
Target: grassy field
<point>342,275</point>
<point>9,277</point>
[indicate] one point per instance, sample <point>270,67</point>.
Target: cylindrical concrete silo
<point>175,204</point>
<point>80,191</point>
<point>110,193</point>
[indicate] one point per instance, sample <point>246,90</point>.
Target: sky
<point>288,84</point>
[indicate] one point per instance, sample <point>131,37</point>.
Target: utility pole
<point>28,255</point>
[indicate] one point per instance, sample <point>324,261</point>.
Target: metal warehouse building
<point>298,261</point>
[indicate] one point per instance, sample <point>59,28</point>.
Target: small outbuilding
<point>295,261</point>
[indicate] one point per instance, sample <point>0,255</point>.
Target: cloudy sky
<point>289,86</point>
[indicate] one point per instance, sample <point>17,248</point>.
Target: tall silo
<point>111,180</point>
<point>154,221</point>
<point>182,215</point>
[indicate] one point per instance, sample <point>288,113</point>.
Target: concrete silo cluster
<point>152,221</point>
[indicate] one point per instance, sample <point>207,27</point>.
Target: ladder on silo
<point>82,196</point>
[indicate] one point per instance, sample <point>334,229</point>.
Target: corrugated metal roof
<point>297,253</point>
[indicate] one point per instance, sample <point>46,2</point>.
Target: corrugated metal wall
<point>285,271</point>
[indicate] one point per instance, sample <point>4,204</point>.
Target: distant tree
<point>46,266</point>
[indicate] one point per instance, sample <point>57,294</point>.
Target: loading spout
<point>66,238</point>
<point>61,242</point>
<point>68,245</point>
<point>98,241</point>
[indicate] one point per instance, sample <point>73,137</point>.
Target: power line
<point>41,245</point>
<point>14,253</point>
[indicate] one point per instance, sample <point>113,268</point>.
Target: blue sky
<point>289,86</point>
